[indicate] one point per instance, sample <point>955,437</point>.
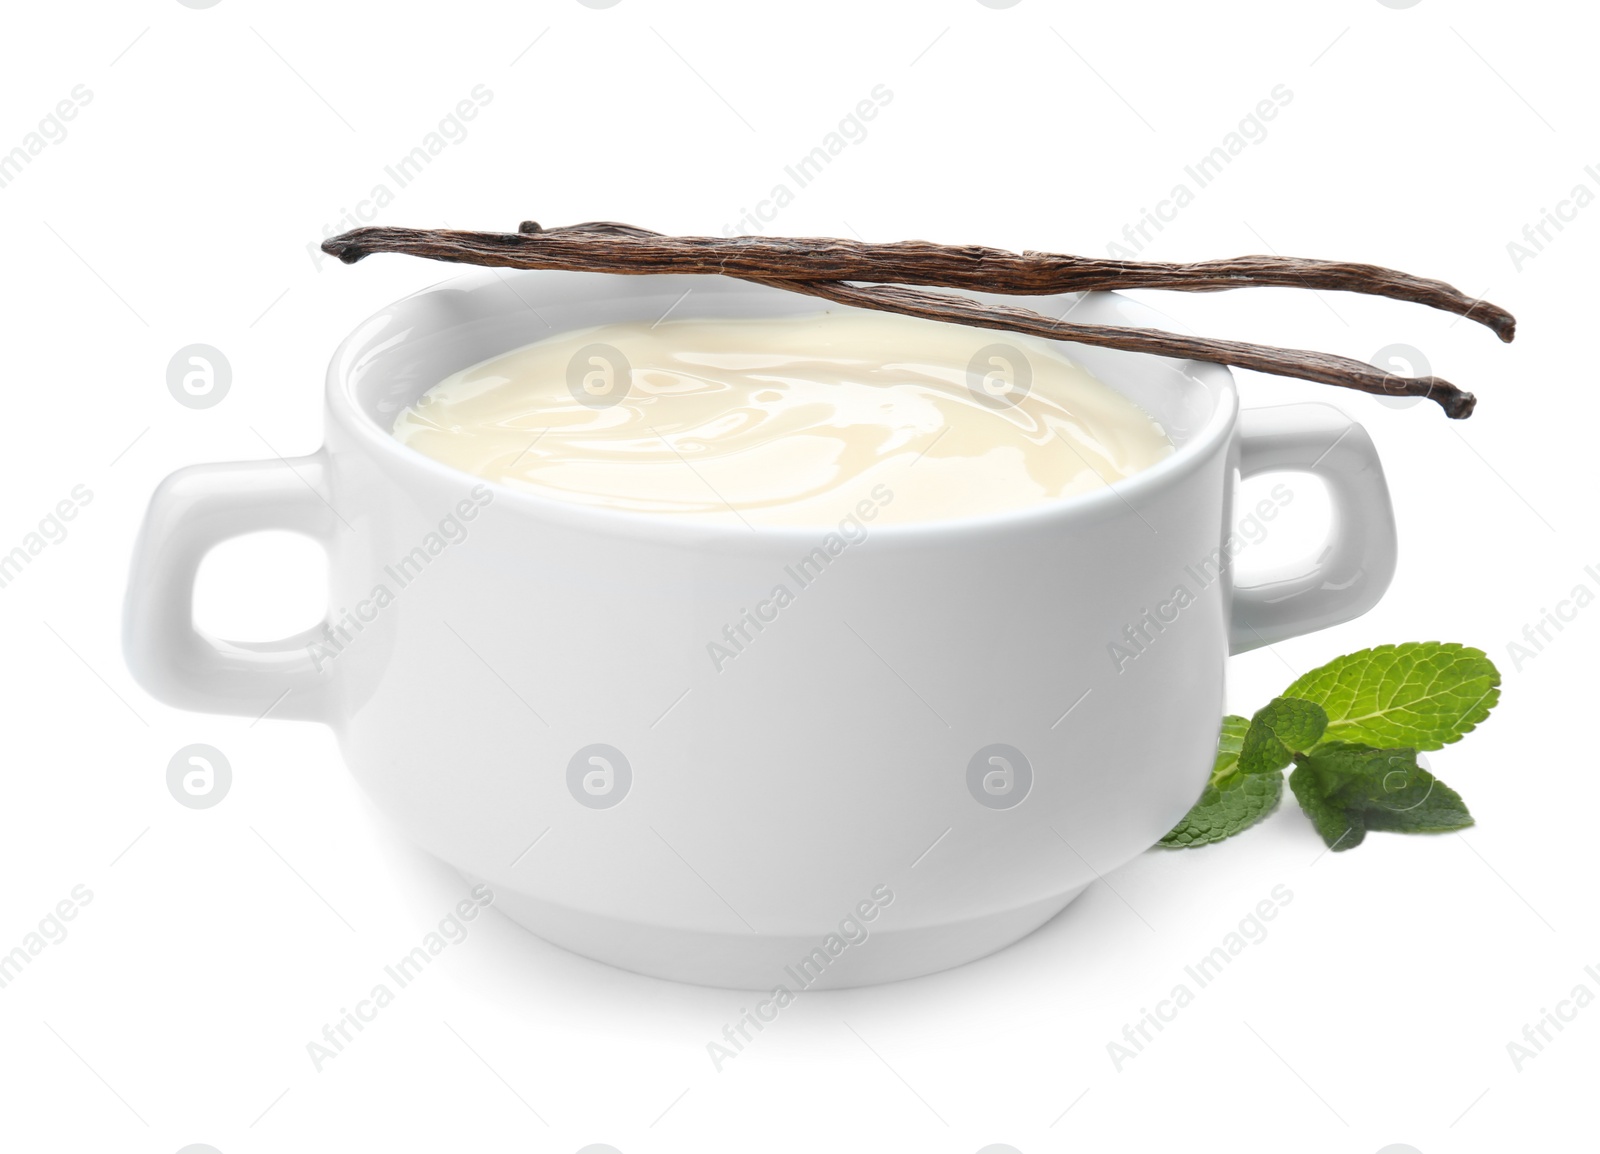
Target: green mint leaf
<point>1423,694</point>
<point>1280,729</point>
<point>1222,812</point>
<point>1348,789</point>
<point>1340,831</point>
<point>1231,801</point>
<point>1394,793</point>
<point>1229,742</point>
<point>1344,765</point>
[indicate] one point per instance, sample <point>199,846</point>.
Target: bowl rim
<point>346,411</point>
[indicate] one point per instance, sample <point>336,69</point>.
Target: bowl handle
<point>1357,562</point>
<point>193,510</point>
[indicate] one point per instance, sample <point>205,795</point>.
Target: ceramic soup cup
<point>934,740</point>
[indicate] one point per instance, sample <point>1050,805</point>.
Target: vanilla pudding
<point>787,420</point>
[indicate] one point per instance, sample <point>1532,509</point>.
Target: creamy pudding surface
<point>787,421</point>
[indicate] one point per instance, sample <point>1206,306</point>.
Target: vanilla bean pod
<point>825,268</point>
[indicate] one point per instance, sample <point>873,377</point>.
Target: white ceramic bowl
<point>923,757</point>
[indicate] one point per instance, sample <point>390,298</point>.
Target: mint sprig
<point>1352,730</point>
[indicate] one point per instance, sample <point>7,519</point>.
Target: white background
<point>184,205</point>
